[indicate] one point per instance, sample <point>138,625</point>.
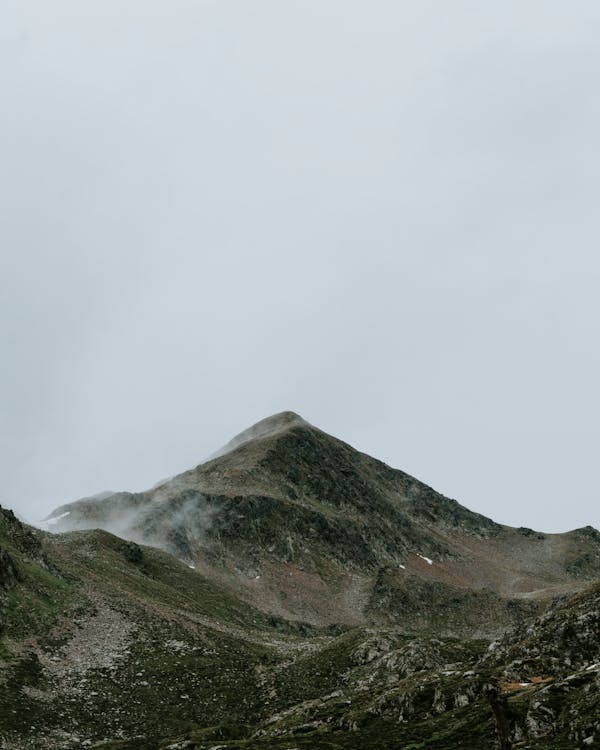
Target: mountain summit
<point>303,525</point>
<point>268,427</point>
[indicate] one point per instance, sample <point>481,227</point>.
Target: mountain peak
<point>294,517</point>
<point>268,427</point>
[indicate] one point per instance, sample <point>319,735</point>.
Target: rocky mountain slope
<point>443,630</point>
<point>299,523</point>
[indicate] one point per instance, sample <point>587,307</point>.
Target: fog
<point>381,215</point>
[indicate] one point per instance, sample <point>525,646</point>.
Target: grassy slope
<point>100,645</point>
<point>103,640</point>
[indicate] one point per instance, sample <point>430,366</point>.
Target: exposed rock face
<point>564,638</point>
<point>20,536</point>
<point>335,602</point>
<point>304,525</point>
<point>8,570</point>
<point>551,672</point>
<point>16,540</point>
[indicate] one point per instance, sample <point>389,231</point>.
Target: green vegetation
<point>109,644</point>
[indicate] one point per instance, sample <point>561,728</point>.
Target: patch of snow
<point>427,560</point>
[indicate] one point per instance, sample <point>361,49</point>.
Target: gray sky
<point>382,215</point>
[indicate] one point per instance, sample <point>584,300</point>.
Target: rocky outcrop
<point>9,574</point>
<point>20,536</point>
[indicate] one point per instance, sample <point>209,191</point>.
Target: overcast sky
<point>381,215</point>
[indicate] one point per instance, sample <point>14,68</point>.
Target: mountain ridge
<point>300,522</point>
<point>294,592</point>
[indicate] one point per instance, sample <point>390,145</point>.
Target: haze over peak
<point>266,427</point>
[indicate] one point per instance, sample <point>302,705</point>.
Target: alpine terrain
<point>291,593</point>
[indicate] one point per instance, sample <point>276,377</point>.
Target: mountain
<point>298,523</point>
<point>292,592</point>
